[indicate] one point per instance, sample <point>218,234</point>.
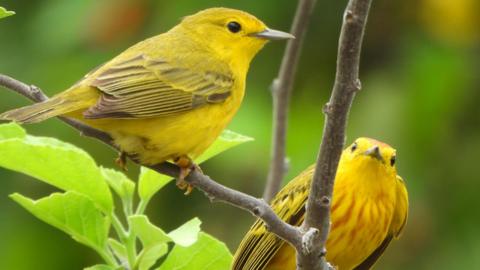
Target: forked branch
<point>336,111</point>
<point>309,241</point>
<point>212,189</point>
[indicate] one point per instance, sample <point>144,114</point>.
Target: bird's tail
<point>63,103</point>
<point>36,112</point>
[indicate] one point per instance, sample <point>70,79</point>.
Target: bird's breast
<point>361,218</point>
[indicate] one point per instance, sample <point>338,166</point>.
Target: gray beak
<point>374,152</point>
<point>271,34</point>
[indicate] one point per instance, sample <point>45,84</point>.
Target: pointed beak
<point>271,34</point>
<point>374,152</point>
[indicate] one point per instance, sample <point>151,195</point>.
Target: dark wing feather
<point>372,259</point>
<point>141,87</point>
<point>259,246</point>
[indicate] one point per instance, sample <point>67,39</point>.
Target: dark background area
<point>420,76</point>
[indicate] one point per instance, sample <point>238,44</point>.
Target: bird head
<point>372,156</point>
<point>232,34</point>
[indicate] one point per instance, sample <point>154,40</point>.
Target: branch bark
<point>336,111</point>
<point>213,190</point>
<point>281,91</point>
<point>310,239</point>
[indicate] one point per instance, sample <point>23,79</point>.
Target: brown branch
<point>309,241</point>
<point>212,189</point>
<point>336,111</point>
<point>281,91</point>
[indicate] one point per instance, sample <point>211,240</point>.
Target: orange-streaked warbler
<point>170,96</point>
<point>369,209</point>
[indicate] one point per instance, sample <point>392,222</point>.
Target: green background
<point>420,76</point>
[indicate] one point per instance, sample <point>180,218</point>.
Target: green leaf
<point>72,213</point>
<point>5,13</point>
<point>149,256</point>
<point>206,253</point>
<point>11,130</point>
<point>59,164</point>
<point>148,233</point>
<point>225,141</point>
<point>118,248</point>
<point>187,234</point>
<point>150,182</point>
<point>100,267</point>
<point>119,182</point>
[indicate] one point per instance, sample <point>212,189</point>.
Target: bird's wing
<point>401,209</point>
<point>372,259</point>
<point>259,246</point>
<point>142,87</point>
<point>398,223</point>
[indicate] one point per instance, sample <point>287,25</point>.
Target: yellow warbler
<point>170,96</point>
<point>369,209</point>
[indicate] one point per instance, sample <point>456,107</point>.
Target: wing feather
<point>376,254</point>
<point>401,209</point>
<point>141,87</point>
<point>259,246</point>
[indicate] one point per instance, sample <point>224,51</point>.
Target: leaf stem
<point>127,238</point>
<point>142,205</point>
<point>131,246</point>
<point>118,226</point>
<point>127,207</point>
<point>107,256</point>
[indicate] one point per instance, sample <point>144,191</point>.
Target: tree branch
<point>281,90</point>
<point>213,190</point>
<point>336,111</point>
<point>310,239</point>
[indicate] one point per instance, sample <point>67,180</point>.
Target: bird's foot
<point>121,161</point>
<point>186,167</point>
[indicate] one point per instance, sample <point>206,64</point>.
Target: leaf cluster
<point>85,208</point>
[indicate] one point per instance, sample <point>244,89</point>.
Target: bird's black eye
<point>392,160</point>
<point>354,147</point>
<point>234,27</point>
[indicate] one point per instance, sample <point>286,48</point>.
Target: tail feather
<point>40,111</point>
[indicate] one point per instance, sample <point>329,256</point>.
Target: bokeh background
<point>420,75</point>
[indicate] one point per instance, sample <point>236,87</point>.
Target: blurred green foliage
<point>420,94</point>
<point>5,13</point>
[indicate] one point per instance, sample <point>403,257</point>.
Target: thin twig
<point>212,189</point>
<point>336,111</point>
<point>35,94</point>
<point>309,241</point>
<point>281,90</point>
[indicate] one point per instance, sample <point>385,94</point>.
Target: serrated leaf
<point>59,164</point>
<point>119,182</point>
<point>5,13</point>
<point>187,234</point>
<point>150,255</point>
<point>148,233</point>
<point>118,248</point>
<point>206,253</point>
<point>71,212</point>
<point>150,182</point>
<point>100,267</point>
<point>11,130</point>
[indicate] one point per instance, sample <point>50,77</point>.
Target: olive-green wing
<point>398,223</point>
<point>142,87</point>
<point>259,246</point>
